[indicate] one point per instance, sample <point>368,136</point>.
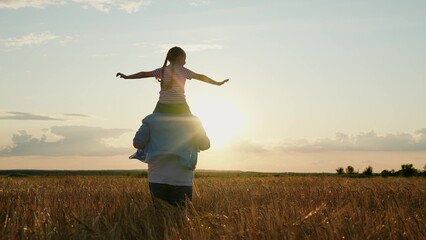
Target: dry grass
<point>96,207</point>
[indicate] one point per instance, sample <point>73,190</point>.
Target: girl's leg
<point>178,108</point>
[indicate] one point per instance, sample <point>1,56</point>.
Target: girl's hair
<point>172,55</point>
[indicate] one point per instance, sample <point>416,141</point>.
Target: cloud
<point>197,3</point>
<point>105,6</point>
<point>31,116</point>
<point>251,146</point>
<point>74,141</point>
<point>30,39</point>
<point>27,116</point>
<point>369,141</point>
<point>76,115</point>
<point>15,4</point>
<point>133,6</point>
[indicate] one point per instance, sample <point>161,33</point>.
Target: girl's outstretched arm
<point>136,75</point>
<point>206,79</point>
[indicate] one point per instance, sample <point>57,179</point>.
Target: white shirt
<point>167,169</point>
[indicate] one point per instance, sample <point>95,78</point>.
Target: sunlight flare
<point>222,119</point>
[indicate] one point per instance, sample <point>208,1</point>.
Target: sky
<point>314,85</point>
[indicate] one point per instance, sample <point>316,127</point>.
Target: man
<point>170,144</point>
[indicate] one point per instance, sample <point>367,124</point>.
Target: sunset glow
<point>313,85</point>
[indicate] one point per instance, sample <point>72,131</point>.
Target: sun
<point>222,119</point>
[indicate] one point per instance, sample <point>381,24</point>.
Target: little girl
<point>172,79</point>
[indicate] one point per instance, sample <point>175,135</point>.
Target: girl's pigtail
<point>162,72</point>
<point>170,85</point>
<point>172,55</point>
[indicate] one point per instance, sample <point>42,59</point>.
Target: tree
<point>424,171</point>
<point>407,170</point>
<point>339,171</point>
<point>385,173</point>
<point>350,170</point>
<point>368,171</point>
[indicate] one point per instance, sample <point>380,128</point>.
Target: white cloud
<point>100,5</point>
<point>15,4</point>
<point>132,6</point>
<point>369,141</point>
<point>32,116</point>
<point>245,145</point>
<point>105,6</point>
<point>27,116</point>
<point>197,2</point>
<point>73,141</point>
<point>76,115</point>
<point>129,6</point>
<point>30,39</point>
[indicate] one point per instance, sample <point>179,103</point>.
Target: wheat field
<point>119,207</point>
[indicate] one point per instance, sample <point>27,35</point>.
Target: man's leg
<point>174,195</point>
<point>179,194</point>
<point>159,192</point>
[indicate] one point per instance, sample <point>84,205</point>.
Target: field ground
<point>268,207</point>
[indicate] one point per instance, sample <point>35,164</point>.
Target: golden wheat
<point>113,207</point>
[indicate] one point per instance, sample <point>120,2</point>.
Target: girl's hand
<point>221,83</point>
<point>121,75</point>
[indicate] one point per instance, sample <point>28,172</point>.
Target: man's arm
<point>203,143</point>
<point>206,79</point>
<point>141,137</point>
<point>201,140</point>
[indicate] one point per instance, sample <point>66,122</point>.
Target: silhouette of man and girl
<point>170,138</point>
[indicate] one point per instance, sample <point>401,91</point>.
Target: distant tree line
<point>407,170</point>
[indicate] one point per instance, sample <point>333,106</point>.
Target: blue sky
<point>314,85</point>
